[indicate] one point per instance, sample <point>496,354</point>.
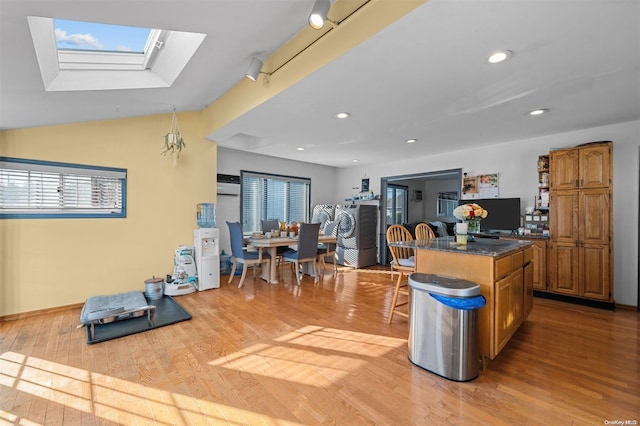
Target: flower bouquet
<point>471,214</point>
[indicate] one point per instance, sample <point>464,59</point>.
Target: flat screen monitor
<point>503,213</point>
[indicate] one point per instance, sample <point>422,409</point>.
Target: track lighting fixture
<point>254,69</point>
<point>319,14</point>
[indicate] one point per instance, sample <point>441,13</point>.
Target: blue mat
<point>167,312</point>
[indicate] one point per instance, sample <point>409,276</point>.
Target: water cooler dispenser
<point>206,240</point>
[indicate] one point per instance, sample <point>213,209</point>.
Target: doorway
<point>416,191</point>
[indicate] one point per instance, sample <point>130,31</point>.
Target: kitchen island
<point>502,268</point>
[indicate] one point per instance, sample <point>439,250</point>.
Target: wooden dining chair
<point>307,251</point>
<point>424,232</point>
<point>404,263</point>
<point>240,255</point>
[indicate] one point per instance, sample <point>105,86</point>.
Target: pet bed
<point>116,307</point>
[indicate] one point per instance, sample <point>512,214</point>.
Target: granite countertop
<point>479,246</point>
<point>526,237</point>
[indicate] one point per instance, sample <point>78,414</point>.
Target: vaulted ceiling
<point>424,76</point>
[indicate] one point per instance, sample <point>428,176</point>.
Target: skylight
<point>108,56</point>
<point>78,35</point>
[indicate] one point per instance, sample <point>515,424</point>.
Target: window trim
<point>69,168</point>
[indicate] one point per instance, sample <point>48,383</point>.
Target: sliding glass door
<point>397,204</point>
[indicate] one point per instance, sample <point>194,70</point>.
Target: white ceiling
<point>236,31</point>
<point>423,77</point>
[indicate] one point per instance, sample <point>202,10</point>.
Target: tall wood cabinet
<point>580,261</point>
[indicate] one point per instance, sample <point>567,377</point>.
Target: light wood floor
<point>314,354</point>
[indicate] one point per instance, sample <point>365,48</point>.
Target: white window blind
<point>31,188</point>
<point>266,196</point>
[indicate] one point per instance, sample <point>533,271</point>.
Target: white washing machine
<point>323,214</point>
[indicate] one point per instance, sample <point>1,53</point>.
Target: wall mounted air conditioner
<point>228,185</point>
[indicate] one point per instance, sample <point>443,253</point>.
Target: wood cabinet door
<point>564,216</point>
<point>564,170</point>
<point>528,289</point>
<point>594,214</point>
<point>539,265</point>
<point>517,298</point>
<point>595,166</point>
<point>595,272</point>
<point>563,261</point>
<point>509,307</point>
<point>503,312</point>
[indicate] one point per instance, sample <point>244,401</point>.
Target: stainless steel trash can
<point>443,325</point>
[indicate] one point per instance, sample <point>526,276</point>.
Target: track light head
<point>254,69</point>
<point>319,14</point>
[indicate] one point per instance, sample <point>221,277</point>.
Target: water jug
<point>206,215</point>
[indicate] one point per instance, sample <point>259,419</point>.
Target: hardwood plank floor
<point>315,354</point>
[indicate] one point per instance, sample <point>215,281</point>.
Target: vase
<point>473,226</point>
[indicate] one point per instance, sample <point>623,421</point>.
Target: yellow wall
<point>56,262</point>
<point>47,263</point>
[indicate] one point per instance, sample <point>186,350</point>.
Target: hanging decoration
<point>365,184</point>
<point>173,142</point>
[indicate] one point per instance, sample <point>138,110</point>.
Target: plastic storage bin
<point>225,263</point>
<point>443,325</point>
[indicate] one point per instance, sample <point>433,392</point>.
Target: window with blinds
<point>42,189</point>
<point>266,196</point>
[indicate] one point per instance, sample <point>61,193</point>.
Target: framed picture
<point>470,185</point>
<point>489,186</point>
<point>365,185</point>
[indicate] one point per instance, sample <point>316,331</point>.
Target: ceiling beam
<point>306,52</point>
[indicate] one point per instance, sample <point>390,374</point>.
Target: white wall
<point>231,161</point>
<point>516,164</point>
<point>431,198</point>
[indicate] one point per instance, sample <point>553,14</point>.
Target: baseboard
<point>576,300</point>
<point>29,314</point>
<point>626,307</point>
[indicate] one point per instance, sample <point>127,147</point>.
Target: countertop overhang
<point>478,246</point>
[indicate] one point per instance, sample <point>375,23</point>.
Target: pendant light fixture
<point>173,142</point>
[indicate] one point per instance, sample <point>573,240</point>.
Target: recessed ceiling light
<point>355,160</point>
<point>538,111</point>
<point>342,115</point>
<point>499,56</point>
<point>300,148</point>
<point>412,140</point>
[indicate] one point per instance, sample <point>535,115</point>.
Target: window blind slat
<point>28,187</point>
<point>266,196</point>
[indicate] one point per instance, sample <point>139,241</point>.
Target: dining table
<point>272,244</point>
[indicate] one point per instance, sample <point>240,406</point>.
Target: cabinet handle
<point>577,186</point>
